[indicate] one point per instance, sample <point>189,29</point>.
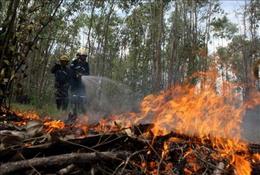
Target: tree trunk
<point>89,29</point>
<point>105,40</point>
<point>245,59</point>
<point>158,43</point>
<point>44,71</point>
<point>173,49</point>
<point>8,54</point>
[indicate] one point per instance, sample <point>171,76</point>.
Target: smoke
<point>106,97</point>
<point>251,125</point>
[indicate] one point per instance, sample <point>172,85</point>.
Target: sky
<point>232,8</point>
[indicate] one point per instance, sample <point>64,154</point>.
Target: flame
<point>82,123</point>
<point>50,125</point>
<point>27,115</point>
<point>205,110</point>
<point>201,114</point>
<point>165,150</point>
<point>209,110</point>
<point>53,125</point>
<point>256,157</point>
<point>242,166</point>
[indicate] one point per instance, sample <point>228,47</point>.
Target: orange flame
<point>28,115</point>
<point>53,125</point>
<point>204,110</point>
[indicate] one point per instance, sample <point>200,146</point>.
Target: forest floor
<point>49,110</point>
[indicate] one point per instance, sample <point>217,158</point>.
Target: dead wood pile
<point>32,148</point>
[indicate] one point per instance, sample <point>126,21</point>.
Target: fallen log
<point>104,142</point>
<point>62,160</point>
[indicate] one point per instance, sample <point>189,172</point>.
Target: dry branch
<point>105,142</point>
<point>119,151</point>
<point>62,160</point>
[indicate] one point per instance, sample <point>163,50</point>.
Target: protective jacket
<point>78,68</point>
<point>62,75</point>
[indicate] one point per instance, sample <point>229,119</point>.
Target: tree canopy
<point>148,45</point>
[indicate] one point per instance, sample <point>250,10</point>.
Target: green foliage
<point>148,45</point>
<point>224,54</point>
<point>223,28</point>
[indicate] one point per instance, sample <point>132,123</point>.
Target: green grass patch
<point>48,110</point>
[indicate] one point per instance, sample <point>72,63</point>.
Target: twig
<point>220,169</point>
<point>208,163</point>
<point>30,165</point>
<point>128,159</point>
<point>66,170</point>
<point>117,168</point>
<point>83,146</point>
<point>159,165</point>
<point>106,142</point>
<point>105,170</point>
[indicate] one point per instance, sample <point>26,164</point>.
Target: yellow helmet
<point>64,58</point>
<point>82,51</point>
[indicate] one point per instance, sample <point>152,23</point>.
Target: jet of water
<point>106,97</point>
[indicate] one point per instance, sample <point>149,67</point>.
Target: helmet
<point>64,58</point>
<point>82,51</point>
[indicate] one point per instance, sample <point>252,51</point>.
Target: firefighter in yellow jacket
<point>62,75</point>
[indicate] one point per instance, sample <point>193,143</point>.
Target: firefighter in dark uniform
<point>62,82</point>
<point>79,67</point>
<point>256,70</point>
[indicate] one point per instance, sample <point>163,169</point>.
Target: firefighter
<point>256,70</point>
<point>79,67</point>
<point>62,75</point>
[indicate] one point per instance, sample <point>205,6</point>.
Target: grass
<point>49,110</point>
